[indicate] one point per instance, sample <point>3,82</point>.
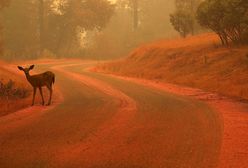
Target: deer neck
<point>29,77</point>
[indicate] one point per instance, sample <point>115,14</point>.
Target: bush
<point>9,91</point>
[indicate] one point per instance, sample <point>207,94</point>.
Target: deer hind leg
<point>34,92</point>
<point>43,102</point>
<point>51,92</point>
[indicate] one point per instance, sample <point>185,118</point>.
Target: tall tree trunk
<point>41,26</point>
<point>193,11</point>
<point>221,38</point>
<point>135,14</point>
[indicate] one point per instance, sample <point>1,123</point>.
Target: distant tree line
<point>3,3</point>
<point>32,27</point>
<point>86,28</point>
<point>134,22</point>
<point>227,18</point>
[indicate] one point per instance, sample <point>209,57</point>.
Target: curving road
<point>107,122</point>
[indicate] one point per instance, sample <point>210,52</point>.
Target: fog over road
<point>108,122</point>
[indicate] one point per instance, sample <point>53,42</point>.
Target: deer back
<point>42,79</point>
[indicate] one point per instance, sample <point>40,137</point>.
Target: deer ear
<point>20,68</point>
<point>31,67</point>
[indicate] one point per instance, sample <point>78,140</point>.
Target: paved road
<point>105,122</point>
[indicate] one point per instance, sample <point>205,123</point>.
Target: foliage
<point>77,17</point>
<point>3,3</point>
<point>182,22</point>
<point>227,18</point>
<point>33,26</point>
<point>184,18</point>
<point>10,91</point>
<point>20,31</point>
<point>121,35</point>
<point>187,5</point>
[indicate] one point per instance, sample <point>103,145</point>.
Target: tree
<point>184,18</point>
<point>76,17</point>
<point>135,5</point>
<point>188,5</point>
<point>33,26</point>
<point>20,31</point>
<point>3,3</point>
<point>182,22</point>
<point>227,18</point>
<point>41,25</point>
<point>120,36</point>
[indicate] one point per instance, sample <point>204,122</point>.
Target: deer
<point>38,81</point>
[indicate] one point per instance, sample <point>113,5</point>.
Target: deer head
<point>26,70</point>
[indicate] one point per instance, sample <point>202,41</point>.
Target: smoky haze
<point>120,35</point>
<point>96,29</point>
<point>123,83</point>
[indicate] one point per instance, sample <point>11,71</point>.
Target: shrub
<point>9,91</point>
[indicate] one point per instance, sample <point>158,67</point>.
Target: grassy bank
<point>198,61</point>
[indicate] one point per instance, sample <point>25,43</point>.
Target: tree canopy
<point>34,26</point>
<point>3,3</point>
<point>184,18</point>
<point>228,18</point>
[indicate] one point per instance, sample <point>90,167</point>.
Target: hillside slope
<point>197,61</point>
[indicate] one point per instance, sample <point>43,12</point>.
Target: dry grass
<point>198,61</point>
<point>14,92</point>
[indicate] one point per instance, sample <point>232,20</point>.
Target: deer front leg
<point>40,88</point>
<point>34,92</point>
